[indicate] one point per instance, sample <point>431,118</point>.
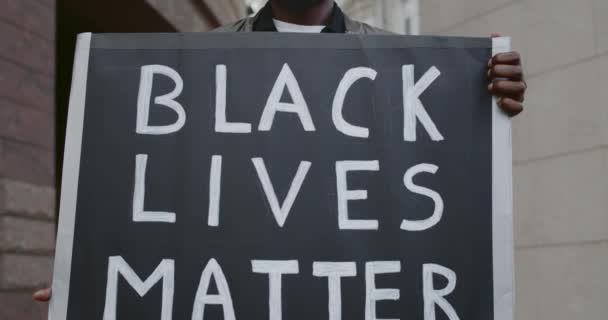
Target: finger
<point>507,88</point>
<point>512,58</point>
<point>495,35</point>
<point>510,72</point>
<point>43,295</point>
<point>510,106</point>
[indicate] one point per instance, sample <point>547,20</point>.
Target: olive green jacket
<point>352,26</point>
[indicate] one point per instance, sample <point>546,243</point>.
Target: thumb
<point>495,35</point>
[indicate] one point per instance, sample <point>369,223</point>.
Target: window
<point>399,16</point>
<point>411,16</point>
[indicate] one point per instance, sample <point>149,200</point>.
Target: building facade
<point>27,153</point>
<point>560,142</point>
<point>560,146</point>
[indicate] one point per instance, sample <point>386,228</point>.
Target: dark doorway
<point>101,16</point>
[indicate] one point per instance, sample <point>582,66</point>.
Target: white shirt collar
<point>283,26</point>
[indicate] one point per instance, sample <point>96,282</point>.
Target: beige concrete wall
<point>560,146</point>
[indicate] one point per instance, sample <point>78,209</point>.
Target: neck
<point>318,14</point>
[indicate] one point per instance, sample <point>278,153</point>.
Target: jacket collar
<point>263,21</point>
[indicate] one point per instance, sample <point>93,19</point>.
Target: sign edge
<point>502,204</point>
<point>58,306</point>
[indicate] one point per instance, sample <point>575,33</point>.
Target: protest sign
<point>273,176</point>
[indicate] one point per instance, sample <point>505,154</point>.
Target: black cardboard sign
<point>273,176</point>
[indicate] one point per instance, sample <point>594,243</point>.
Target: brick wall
<point>27,195</point>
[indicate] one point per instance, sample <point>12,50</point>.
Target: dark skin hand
<point>505,70</point>
<point>507,82</point>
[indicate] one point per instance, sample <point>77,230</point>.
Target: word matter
<point>275,270</point>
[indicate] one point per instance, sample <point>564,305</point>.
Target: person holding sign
<point>506,79</point>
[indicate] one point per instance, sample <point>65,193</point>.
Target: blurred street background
<point>560,141</point>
